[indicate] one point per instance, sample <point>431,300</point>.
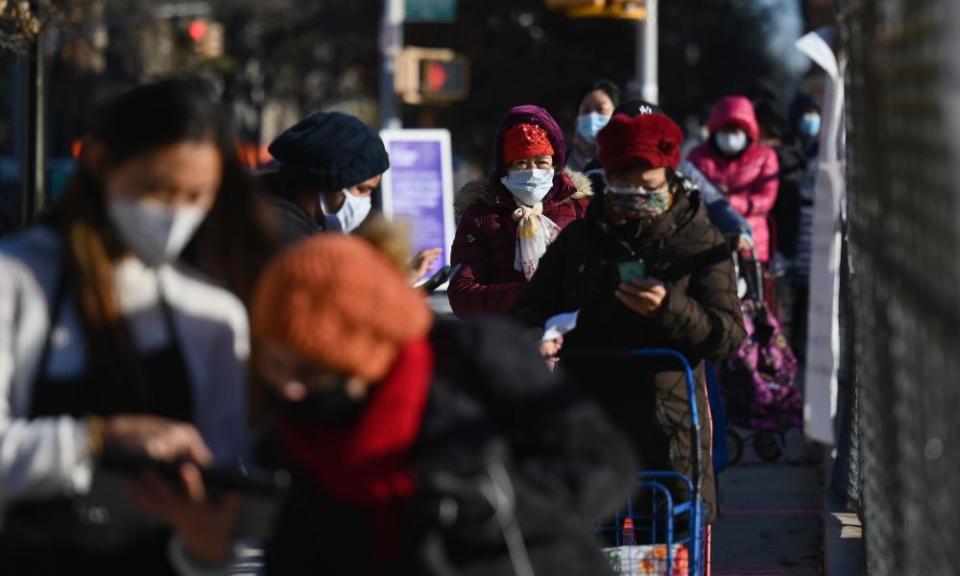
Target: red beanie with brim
<point>650,140</point>
<point>526,141</point>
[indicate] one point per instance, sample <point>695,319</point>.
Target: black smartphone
<point>442,276</point>
<point>216,479</point>
<point>632,269</point>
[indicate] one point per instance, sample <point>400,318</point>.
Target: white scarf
<point>535,233</point>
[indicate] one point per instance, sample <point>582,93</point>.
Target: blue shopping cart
<point>656,534</point>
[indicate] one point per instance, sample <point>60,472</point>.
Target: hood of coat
<point>735,110</point>
<point>569,185</point>
<point>529,114</point>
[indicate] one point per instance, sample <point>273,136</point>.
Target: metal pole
<point>34,157</point>
<point>647,53</point>
<point>391,43</point>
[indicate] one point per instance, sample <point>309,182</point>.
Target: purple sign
<point>418,188</point>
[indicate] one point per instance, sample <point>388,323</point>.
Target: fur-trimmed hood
<point>490,193</point>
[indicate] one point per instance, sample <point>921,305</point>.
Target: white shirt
<point>48,456</point>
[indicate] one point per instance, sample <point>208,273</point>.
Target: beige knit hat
<point>336,300</point>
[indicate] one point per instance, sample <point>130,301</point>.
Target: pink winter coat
<point>750,180</point>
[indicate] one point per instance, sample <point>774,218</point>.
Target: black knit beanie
<point>330,151</point>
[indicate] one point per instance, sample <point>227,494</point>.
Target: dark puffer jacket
<point>486,240</point>
<point>569,468</point>
<point>700,317</point>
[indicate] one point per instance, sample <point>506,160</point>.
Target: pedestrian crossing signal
<point>431,75</point>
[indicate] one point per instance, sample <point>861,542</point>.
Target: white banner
<point>823,332</point>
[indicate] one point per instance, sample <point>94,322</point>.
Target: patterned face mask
<point>638,203</point>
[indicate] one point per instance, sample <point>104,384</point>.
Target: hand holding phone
<point>643,296</point>
<point>442,276</point>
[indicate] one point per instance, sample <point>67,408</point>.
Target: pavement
<point>843,544</point>
<point>771,515</point>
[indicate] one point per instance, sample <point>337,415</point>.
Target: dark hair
<point>230,247</point>
<point>607,87</point>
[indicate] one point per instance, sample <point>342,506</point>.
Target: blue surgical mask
<point>529,186</point>
<point>809,125</point>
<point>732,142</point>
<point>589,125</point>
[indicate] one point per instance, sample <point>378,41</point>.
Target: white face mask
<point>731,142</point>
<point>354,211</point>
<point>154,231</point>
<point>529,186</point>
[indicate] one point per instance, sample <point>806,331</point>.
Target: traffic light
<point>616,9</point>
<point>206,37</point>
<point>425,75</point>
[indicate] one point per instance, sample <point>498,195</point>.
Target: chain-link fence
<point>905,233</point>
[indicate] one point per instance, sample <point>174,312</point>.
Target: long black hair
<point>229,248</point>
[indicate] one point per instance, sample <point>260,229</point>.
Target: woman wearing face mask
<point>594,110</point>
<point>109,342</point>
<point>645,269</point>
<point>747,171</point>
<point>508,223</point>
<point>415,446</point>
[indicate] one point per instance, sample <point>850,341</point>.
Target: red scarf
<point>367,464</point>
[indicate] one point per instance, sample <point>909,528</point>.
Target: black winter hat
<point>330,151</point>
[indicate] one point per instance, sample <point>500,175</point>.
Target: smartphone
<point>216,479</point>
<point>442,276</point>
<point>632,269</point>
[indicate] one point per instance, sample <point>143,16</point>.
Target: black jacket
<point>491,398</point>
<point>793,161</point>
<point>293,221</point>
<point>700,318</point>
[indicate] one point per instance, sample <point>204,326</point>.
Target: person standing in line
<point>745,170</point>
<point>110,342</point>
<point>794,212</point>
<point>420,446</point>
<point>644,269</point>
<point>508,222</point>
<point>594,109</point>
<point>330,168</point>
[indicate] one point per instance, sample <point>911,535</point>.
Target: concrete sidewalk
<point>771,516</point>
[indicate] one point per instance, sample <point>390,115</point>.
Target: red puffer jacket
<point>750,180</point>
<point>486,241</point>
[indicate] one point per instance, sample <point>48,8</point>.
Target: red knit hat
<point>336,300</point>
<point>525,141</point>
<point>651,139</point>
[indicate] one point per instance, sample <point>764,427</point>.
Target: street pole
<point>34,157</point>
<point>391,43</point>
<point>647,54</point>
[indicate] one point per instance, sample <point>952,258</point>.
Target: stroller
<point>759,381</point>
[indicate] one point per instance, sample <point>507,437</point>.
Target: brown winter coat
<point>700,317</point>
